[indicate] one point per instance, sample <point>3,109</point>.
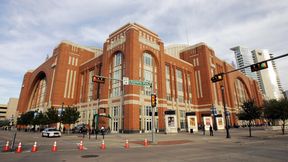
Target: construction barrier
<point>81,147</point>
<point>103,146</point>
<point>54,147</point>
<point>19,148</point>
<point>34,147</point>
<point>126,146</point>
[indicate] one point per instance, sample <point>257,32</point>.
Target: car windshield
<point>52,129</point>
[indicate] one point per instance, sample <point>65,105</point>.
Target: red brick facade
<point>69,81</point>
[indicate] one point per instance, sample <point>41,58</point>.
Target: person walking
<point>102,130</point>
<point>211,130</point>
<point>203,129</point>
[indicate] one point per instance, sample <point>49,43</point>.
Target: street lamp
<point>61,114</point>
<point>214,114</point>
<point>225,113</point>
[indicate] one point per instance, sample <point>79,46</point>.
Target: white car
<point>51,132</point>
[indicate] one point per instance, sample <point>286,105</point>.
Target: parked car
<point>82,128</point>
<point>51,132</point>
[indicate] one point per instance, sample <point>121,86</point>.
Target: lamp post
<point>61,113</point>
<point>214,114</point>
<point>225,113</point>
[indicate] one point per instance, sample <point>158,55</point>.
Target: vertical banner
<point>192,123</point>
<point>220,122</point>
<point>207,122</point>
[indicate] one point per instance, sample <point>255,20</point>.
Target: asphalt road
<point>263,146</point>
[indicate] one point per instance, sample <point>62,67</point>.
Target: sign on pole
<point>139,83</point>
<point>125,81</point>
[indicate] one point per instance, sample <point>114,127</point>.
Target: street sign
<point>125,81</point>
<point>139,83</point>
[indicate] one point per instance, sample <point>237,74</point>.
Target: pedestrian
<point>211,130</point>
<point>102,130</point>
<point>203,129</point>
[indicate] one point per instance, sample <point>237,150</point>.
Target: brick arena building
<point>180,77</point>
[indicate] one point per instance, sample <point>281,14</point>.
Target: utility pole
<point>225,113</point>
<point>153,106</point>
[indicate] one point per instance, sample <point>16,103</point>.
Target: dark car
<point>82,128</point>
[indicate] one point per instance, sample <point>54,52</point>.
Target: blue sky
<point>31,29</point>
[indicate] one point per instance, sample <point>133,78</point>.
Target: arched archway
<point>38,91</point>
<point>241,93</point>
<point>116,72</point>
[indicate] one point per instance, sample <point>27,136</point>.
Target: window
<point>116,74</point>
<point>182,119</point>
<point>148,110</point>
<point>90,86</point>
<point>179,80</point>
<point>179,86</point>
<point>147,59</point>
<point>148,72</point>
<point>168,83</point>
<point>39,92</point>
<point>240,92</point>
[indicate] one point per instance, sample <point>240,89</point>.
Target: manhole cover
<point>89,156</point>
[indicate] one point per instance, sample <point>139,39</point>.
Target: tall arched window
<point>148,71</point>
<point>116,73</point>
<point>149,74</point>
<point>240,93</point>
<point>39,93</point>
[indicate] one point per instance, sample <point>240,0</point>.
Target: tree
<point>277,110</point>
<point>40,119</point>
<point>70,116</point>
<point>270,110</point>
<point>4,123</point>
<point>250,111</point>
<point>52,116</point>
<point>27,118</point>
<point>283,112</point>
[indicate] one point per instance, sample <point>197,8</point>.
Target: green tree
<point>277,110</point>
<point>27,118</point>
<point>40,119</point>
<point>250,111</point>
<point>270,110</point>
<point>52,116</point>
<point>4,123</point>
<point>70,116</point>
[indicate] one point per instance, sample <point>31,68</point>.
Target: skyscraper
<point>243,58</point>
<point>268,79</point>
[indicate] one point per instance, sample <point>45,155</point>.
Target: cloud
<point>30,29</point>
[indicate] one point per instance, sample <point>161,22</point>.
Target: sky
<point>31,29</point>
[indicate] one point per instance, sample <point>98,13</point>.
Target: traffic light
<point>217,77</point>
<point>153,100</point>
<point>259,66</point>
<point>98,79</point>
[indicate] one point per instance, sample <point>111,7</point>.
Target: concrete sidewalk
<point>239,135</point>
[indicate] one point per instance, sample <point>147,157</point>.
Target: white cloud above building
<point>31,29</point>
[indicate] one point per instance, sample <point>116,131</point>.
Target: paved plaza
<point>263,146</point>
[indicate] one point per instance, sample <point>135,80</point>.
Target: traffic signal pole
<point>220,77</point>
<point>274,58</point>
<point>153,106</point>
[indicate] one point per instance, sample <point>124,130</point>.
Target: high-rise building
<point>268,78</point>
<point>181,79</point>
<point>243,58</point>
